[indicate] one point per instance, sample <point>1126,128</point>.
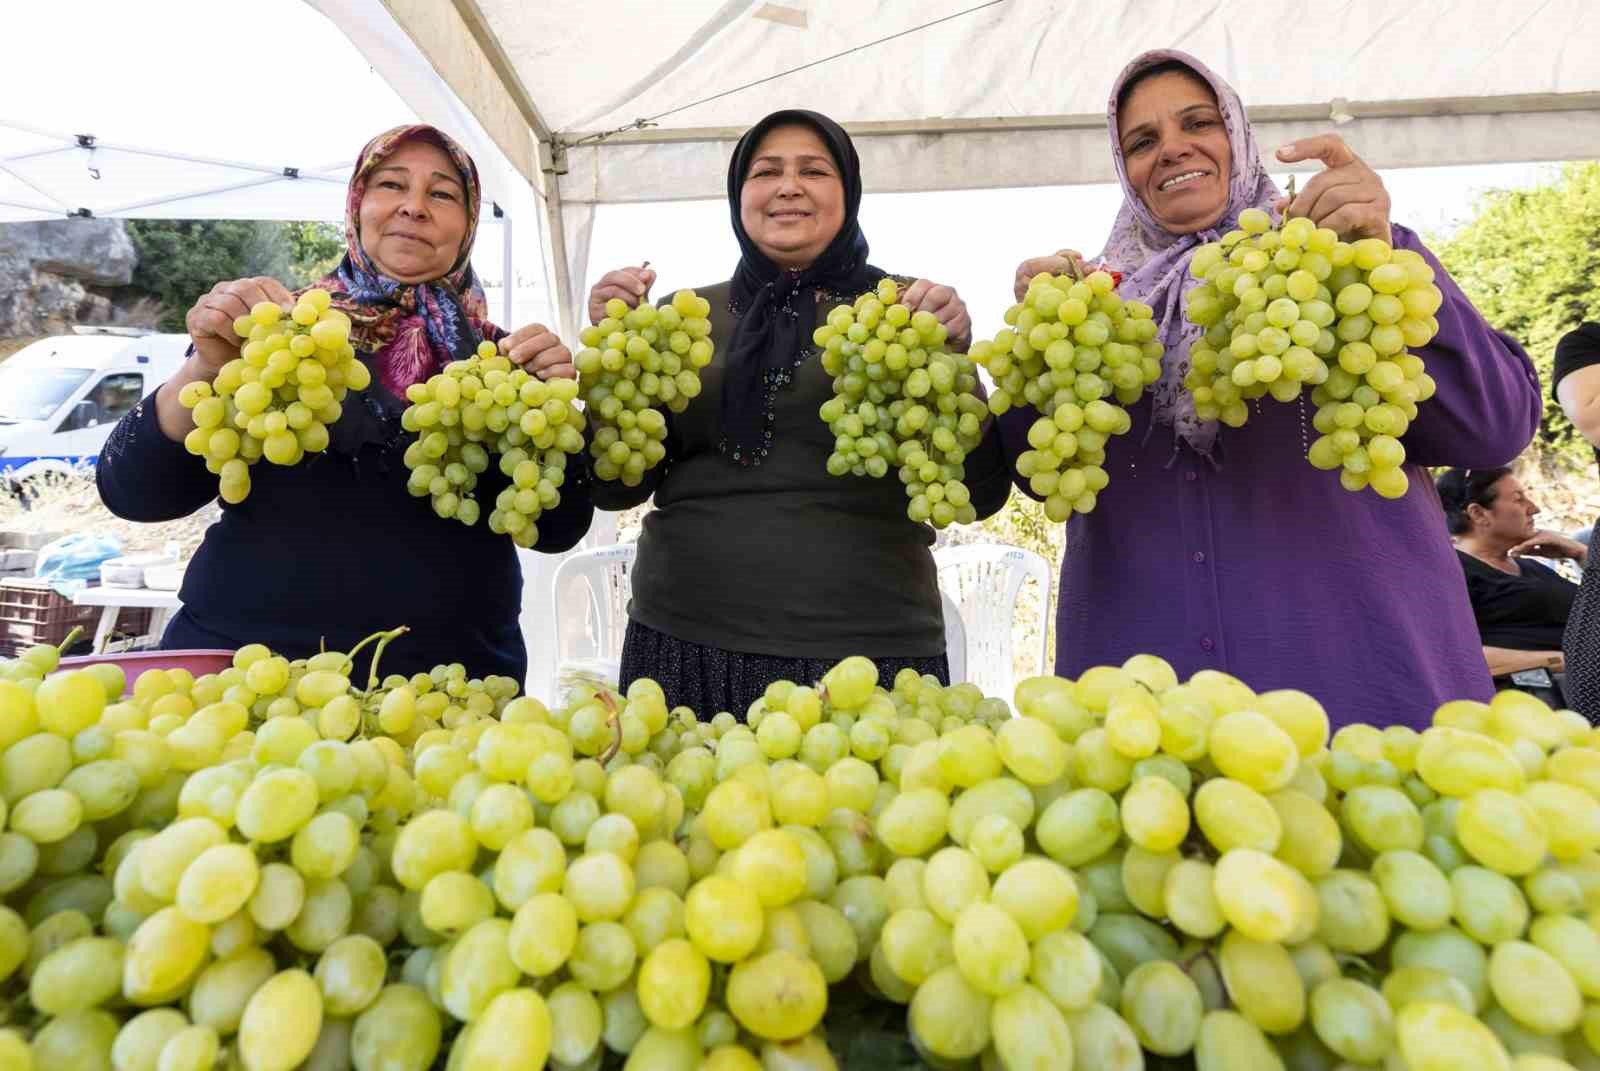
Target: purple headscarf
<point>1155,262</point>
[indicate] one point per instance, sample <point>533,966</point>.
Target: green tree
<point>1530,262</point>
<point>314,249</point>
<point>181,259</point>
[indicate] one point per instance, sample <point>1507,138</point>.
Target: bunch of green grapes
<point>1077,353</point>
<point>901,399</point>
<point>481,409</point>
<point>634,363</point>
<point>277,398</point>
<point>283,864</point>
<point>1291,305</point>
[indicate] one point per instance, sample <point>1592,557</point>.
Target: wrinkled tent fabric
<point>183,147</point>
<point>1010,94</point>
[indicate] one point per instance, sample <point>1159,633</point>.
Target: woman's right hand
<point>1061,262</point>
<point>210,320</point>
<point>632,285</point>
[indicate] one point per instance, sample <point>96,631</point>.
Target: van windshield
<point>35,393</point>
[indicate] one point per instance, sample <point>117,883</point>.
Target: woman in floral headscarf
<point>1222,548</point>
<point>335,548</point>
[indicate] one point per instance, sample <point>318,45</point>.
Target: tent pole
<point>506,262</point>
<point>560,269</point>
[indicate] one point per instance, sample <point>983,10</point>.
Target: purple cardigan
<point>1264,567</point>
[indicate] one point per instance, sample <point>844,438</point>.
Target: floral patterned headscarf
<point>1155,262</point>
<point>410,330</point>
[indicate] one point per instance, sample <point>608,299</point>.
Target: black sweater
<point>335,548</point>
<point>782,558</point>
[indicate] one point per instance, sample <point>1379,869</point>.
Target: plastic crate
<point>31,612</point>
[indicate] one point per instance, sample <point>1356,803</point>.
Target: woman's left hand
<point>1347,197</point>
<point>1546,544</point>
<point>946,305</point>
<point>537,349</point>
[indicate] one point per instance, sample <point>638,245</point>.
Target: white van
<point>60,397</point>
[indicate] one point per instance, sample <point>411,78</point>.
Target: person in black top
<point>334,548</point>
<point>756,564</point>
<point>1521,605</point>
<point>1576,385</point>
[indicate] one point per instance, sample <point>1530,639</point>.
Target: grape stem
<point>383,638</point>
<point>1288,195</point>
<point>72,638</point>
<point>350,658</point>
<point>614,723</point>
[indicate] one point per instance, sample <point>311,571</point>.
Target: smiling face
<point>414,213</point>
<point>1176,150</point>
<point>792,202</point>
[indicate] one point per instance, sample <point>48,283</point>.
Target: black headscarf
<point>777,309</point>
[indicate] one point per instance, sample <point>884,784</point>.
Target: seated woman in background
<point>1576,385</point>
<point>1521,606</point>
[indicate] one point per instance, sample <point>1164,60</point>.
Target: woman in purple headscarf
<point>1222,548</point>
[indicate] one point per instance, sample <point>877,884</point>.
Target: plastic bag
<point>72,561</point>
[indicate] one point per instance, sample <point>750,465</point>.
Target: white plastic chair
<point>955,638</point>
<point>985,580</point>
<point>593,644</point>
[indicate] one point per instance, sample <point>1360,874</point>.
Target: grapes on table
<point>1078,354</point>
<point>901,401</point>
<point>487,411</point>
<point>291,864</point>
<point>1289,305</point>
<point>277,398</point>
<point>633,364</point>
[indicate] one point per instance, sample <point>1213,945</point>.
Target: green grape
<point>400,1031</point>
<point>1163,1006</point>
<point>218,883</point>
<point>949,1018</point>
<point>1434,1037</point>
<point>1030,1033</point>
<point>1228,1040</point>
<point>77,976</point>
<point>1534,988</point>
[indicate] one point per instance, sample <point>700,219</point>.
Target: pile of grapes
<point>278,866</point>
<point>632,364</point>
<point>482,409</point>
<point>277,398</point>
<point>901,400</point>
<point>1290,305</point>
<point>1071,345</point>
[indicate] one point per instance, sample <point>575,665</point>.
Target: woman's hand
<point>537,349</point>
<point>210,320</point>
<point>632,285</point>
<point>1063,262</point>
<point>1547,544</point>
<point>1347,197</point>
<point>946,305</point>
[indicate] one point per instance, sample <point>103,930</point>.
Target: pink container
<point>198,662</point>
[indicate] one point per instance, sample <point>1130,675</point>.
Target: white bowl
<point>164,577</point>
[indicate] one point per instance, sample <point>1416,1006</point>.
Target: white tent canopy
<point>637,100</point>
<point>105,114</point>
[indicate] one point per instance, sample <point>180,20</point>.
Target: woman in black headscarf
<point>757,565</point>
